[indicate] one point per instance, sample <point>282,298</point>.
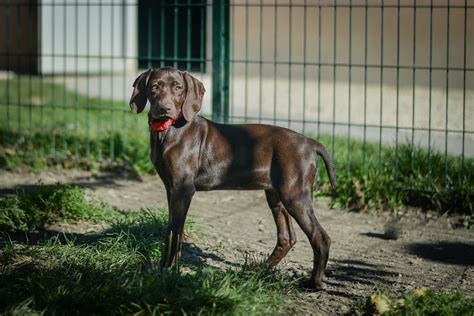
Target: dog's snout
<point>159,109</point>
<point>165,108</point>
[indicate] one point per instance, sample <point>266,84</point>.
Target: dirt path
<point>429,253</point>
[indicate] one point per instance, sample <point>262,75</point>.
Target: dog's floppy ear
<point>139,94</point>
<point>194,94</point>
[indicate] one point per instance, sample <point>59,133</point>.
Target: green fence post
<point>220,60</point>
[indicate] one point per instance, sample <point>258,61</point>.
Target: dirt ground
<point>429,252</point>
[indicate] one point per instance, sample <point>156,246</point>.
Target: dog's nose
<point>165,108</point>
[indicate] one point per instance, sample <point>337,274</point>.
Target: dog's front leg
<point>179,200</point>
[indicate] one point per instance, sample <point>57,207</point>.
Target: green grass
<point>44,125</point>
<point>115,272</point>
<point>418,302</point>
<point>46,204</point>
<point>402,177</point>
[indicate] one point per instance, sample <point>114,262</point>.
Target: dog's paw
<point>311,286</point>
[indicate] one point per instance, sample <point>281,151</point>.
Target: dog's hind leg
<point>286,237</point>
<point>300,208</point>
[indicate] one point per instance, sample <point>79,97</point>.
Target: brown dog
<point>191,153</point>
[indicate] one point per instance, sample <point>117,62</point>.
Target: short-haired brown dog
<point>191,153</point>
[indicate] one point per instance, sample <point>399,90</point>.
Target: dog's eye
<point>157,84</point>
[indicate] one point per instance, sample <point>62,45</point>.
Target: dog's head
<point>170,92</point>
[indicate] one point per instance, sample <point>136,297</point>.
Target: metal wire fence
<point>382,74</point>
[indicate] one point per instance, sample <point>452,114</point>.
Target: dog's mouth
<point>160,119</point>
<point>161,123</point>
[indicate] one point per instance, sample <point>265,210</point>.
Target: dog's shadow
<point>342,275</point>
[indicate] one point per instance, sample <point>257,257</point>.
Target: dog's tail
<point>327,162</point>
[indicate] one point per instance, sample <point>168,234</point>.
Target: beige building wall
<point>320,37</point>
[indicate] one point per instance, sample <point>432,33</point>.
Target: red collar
<point>160,126</point>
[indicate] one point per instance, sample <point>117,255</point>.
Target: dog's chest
<point>156,153</point>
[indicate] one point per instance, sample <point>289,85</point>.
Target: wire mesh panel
<point>66,70</point>
<point>356,59</point>
<point>363,76</point>
<point>384,84</point>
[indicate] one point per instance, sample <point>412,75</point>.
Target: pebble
<point>415,261</point>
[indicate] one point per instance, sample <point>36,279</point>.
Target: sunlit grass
<point>419,302</point>
<point>400,177</point>
<point>115,271</point>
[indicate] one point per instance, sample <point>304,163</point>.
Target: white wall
<point>73,36</point>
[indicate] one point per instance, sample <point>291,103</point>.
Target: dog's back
<point>253,156</point>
